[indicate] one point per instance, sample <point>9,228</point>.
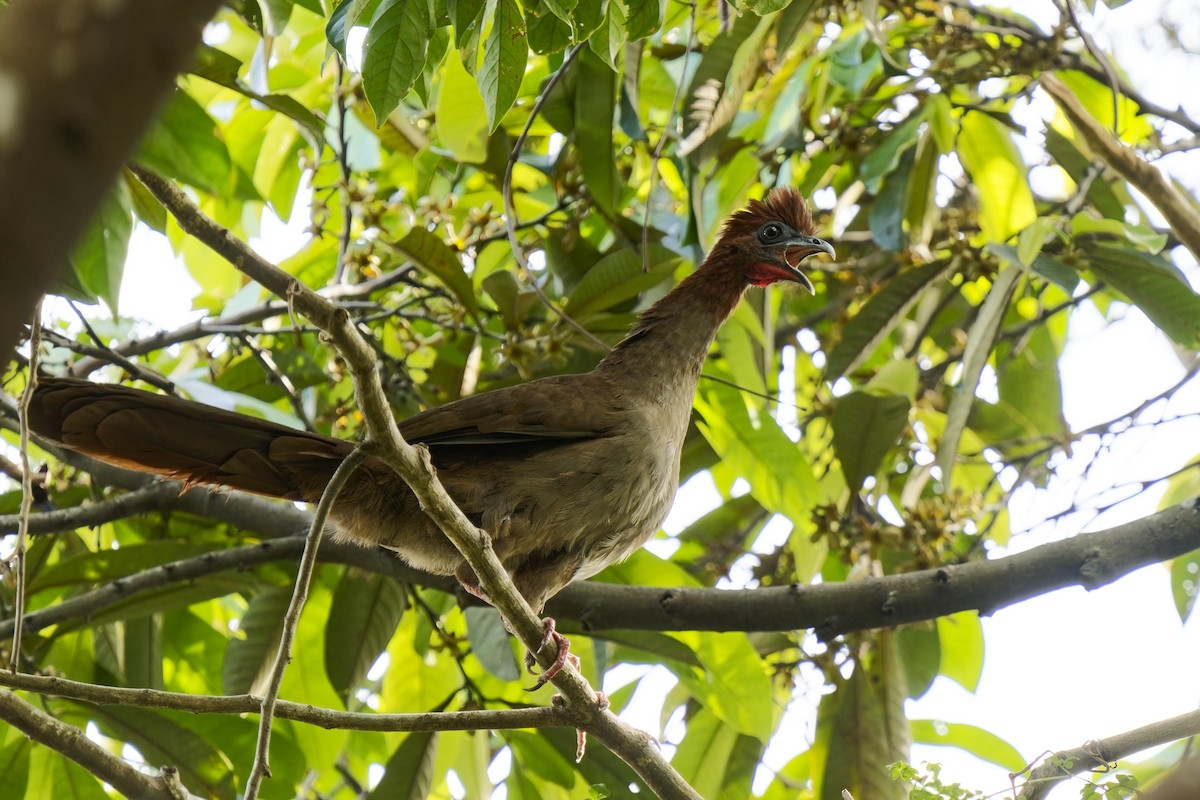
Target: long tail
<point>184,440</point>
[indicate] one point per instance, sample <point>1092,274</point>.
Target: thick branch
<point>72,743</point>
<point>79,82</point>
<point>1099,754</point>
<point>1090,560</point>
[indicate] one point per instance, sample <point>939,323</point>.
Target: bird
<point>566,474</point>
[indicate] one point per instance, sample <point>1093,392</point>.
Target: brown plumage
<point>566,474</point>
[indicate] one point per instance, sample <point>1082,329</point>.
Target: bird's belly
<point>601,498</point>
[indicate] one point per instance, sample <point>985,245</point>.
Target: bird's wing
<point>560,408</point>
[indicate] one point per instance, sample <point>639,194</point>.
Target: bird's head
<point>769,238</point>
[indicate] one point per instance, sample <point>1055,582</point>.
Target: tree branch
<point>1089,560</point>
<point>1099,754</point>
<point>414,466</point>
<point>72,743</point>
<point>328,718</point>
<point>291,620</point>
<point>81,81</point>
<point>1147,178</point>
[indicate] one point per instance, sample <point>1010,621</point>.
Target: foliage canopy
<point>494,190</point>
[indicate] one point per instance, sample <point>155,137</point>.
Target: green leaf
<point>1100,193</point>
<point>490,642</point>
<point>979,347</point>
<point>885,156</point>
<point>991,158</point>
<point>594,128</point>
<point>409,772</point>
<point>879,316</point>
<point>977,741</point>
<point>461,113</point>
<point>202,767</point>
<point>467,18</point>
<point>504,56</point>
<point>276,14</point>
<point>754,447</point>
<point>1142,236</point>
<point>14,768</point>
<point>248,659</point>
<point>435,258</point>
<point>537,754</point>
<point>887,212</point>
<point>732,682</point>
<point>365,612</point>
<point>215,65</point>
<point>1031,240</point>
<point>711,757</point>
<point>394,53</point>
<point>961,639</point>
<point>865,427</point>
<point>645,17</point>
<point>609,39</point>
<point>548,33</point>
<point>920,651</point>
<point>1029,384</point>
<point>852,742</point>
<point>98,262</point>
<point>1185,583</point>
<point>185,144</point>
<point>619,277</point>
<point>1155,286</point>
<point>344,17</point>
<point>511,301</point>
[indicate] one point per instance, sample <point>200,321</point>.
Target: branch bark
<point>72,743</point>
<point>1147,178</point>
<point>1090,560</point>
<point>1099,754</point>
<point>79,82</point>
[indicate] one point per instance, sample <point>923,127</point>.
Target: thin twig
<point>291,619</point>
<point>662,140</point>
<point>328,718</point>
<point>343,160</point>
<point>35,344</point>
<point>510,211</point>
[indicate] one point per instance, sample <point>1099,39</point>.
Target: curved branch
<point>72,743</point>
<point>1099,754</point>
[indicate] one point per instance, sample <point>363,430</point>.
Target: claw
<point>561,660</point>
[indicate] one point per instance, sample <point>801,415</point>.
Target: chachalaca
<point>566,474</point>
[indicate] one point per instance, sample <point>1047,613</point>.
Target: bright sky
<point>1062,668</point>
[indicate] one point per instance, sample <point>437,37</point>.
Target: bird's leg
<point>564,644</point>
<point>564,654</point>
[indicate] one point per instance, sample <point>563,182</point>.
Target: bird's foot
<point>561,660</point>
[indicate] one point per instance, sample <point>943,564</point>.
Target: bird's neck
<point>663,354</point>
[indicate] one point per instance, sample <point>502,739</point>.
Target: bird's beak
<point>798,248</point>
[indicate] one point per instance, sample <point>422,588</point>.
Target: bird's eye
<point>770,232</point>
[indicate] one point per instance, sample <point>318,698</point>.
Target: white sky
<point>1062,668</point>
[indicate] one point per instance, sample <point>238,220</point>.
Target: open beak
<point>798,248</point>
